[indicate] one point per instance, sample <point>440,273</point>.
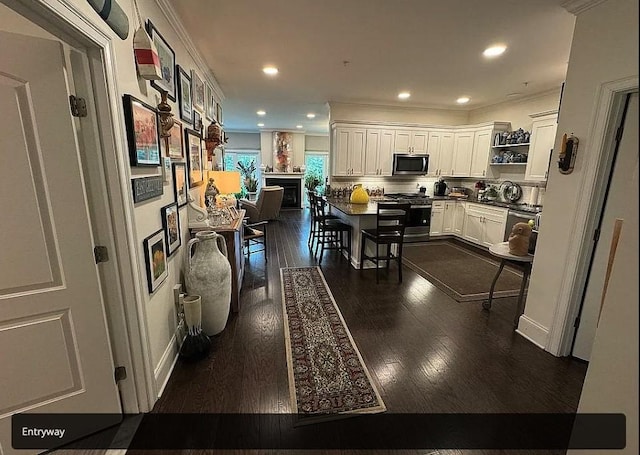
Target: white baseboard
<point>163,371</point>
<point>532,331</point>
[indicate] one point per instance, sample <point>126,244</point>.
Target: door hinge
<point>576,323</point>
<point>596,236</point>
<point>101,254</point>
<point>78,106</point>
<point>120,374</point>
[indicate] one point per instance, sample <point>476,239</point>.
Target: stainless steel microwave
<point>406,164</point>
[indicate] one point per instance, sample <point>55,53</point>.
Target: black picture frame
<point>167,63</point>
<point>171,226</point>
<point>185,100</point>
<point>143,132</point>
<point>174,144</point>
<point>155,255</point>
<point>180,183</point>
<point>193,148</point>
<point>199,92</point>
<point>219,114</point>
<point>197,122</point>
<point>210,108</point>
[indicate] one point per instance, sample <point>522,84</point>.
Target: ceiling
<point>433,49</point>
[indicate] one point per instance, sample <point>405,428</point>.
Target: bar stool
<point>391,220</point>
<point>330,231</point>
<point>313,228</point>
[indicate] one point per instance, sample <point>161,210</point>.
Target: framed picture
<point>210,108</point>
<point>143,133</point>
<point>198,91</point>
<point>166,169</point>
<point>155,253</point>
<point>219,114</point>
<point>194,154</point>
<point>171,226</point>
<point>180,186</point>
<point>174,145</point>
<point>184,95</point>
<point>197,122</point>
<point>167,63</point>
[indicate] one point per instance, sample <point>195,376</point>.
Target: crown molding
<point>579,6</point>
<point>169,12</point>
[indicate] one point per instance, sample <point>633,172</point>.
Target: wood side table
<point>501,250</point>
<point>234,238</point>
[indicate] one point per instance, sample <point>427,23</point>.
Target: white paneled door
<point>54,346</point>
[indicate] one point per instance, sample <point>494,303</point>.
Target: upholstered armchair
<point>267,207</point>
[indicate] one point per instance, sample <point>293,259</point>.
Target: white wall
<point>605,48</point>
<point>517,111</point>
<point>343,112</point>
<point>316,143</point>
<point>161,318</point>
<point>243,141</point>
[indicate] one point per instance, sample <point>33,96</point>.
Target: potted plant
<point>248,175</point>
<point>312,181</point>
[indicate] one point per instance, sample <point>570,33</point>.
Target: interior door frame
<point>119,276</point>
<point>608,112</point>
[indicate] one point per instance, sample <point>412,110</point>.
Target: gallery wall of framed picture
<point>179,161</point>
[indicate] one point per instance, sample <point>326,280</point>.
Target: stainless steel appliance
<point>419,223</point>
<point>522,213</point>
<point>407,164</point>
<point>440,188</point>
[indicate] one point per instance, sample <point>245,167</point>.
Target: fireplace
<point>292,197</point>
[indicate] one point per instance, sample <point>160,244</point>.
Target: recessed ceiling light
<point>404,95</point>
<point>270,70</point>
<point>261,113</point>
<point>463,100</point>
<point>299,126</point>
<point>311,115</point>
<point>494,51</point>
<point>260,125</point>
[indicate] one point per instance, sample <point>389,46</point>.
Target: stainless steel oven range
<point>419,223</point>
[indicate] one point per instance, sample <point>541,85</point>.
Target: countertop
<point>371,208</point>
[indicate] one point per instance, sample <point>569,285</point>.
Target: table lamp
<point>228,183</point>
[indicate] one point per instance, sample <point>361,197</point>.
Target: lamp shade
<point>228,182</point>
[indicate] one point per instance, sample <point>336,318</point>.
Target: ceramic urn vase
<point>208,274</point>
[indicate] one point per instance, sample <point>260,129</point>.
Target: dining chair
<point>330,231</point>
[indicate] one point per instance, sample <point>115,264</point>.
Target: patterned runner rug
<point>327,377</point>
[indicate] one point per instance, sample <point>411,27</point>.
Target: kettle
<point>439,188</point>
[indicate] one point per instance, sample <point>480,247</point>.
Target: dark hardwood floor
<point>427,352</point>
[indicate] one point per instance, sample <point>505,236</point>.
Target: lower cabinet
<point>484,225</point>
<point>447,217</point>
<point>437,218</point>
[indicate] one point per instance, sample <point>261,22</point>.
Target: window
<point>233,157</point>
<point>318,163</point>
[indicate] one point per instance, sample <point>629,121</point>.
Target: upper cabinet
<point>440,150</point>
<point>379,152</point>
<point>462,153</point>
<point>348,150</point>
<point>543,135</point>
<point>362,149</point>
<point>411,140</point>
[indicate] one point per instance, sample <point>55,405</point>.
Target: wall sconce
<point>166,117</point>
<point>214,137</point>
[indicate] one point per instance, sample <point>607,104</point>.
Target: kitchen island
<point>358,216</point>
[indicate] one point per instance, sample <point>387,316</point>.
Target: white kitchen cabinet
<point>458,218</point>
<point>440,150</point>
<point>484,225</point>
<point>412,140</point>
<point>481,154</point>
<point>437,219</point>
<point>349,151</point>
<point>543,135</point>
<point>378,152</point>
<point>462,153</point>
<point>448,217</point>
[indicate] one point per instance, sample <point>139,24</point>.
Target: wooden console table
<point>234,238</point>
